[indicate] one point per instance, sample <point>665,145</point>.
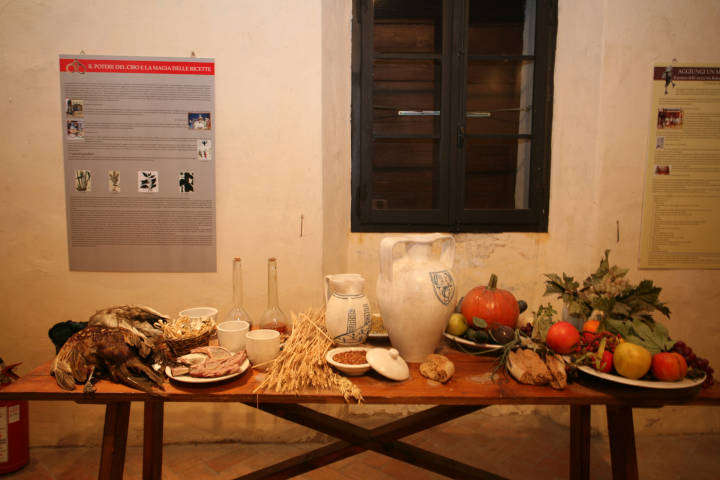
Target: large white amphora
<point>347,311</point>
<point>416,291</point>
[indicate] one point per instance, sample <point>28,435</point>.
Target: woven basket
<point>183,346</point>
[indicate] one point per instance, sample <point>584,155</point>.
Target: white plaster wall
<point>283,150</point>
<point>269,172</point>
<point>603,70</point>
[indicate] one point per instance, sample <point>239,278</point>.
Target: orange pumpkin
<point>494,305</point>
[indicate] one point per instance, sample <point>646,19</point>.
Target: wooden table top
<point>471,385</point>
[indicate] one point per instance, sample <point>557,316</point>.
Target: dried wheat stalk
<point>302,363</point>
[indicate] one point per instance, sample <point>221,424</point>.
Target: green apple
<point>457,325</point>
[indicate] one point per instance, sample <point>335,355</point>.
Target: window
<point>451,114</point>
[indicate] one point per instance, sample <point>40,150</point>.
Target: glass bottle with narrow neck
<point>273,317</point>
<point>238,312</point>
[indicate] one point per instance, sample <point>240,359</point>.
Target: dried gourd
<point>556,367</point>
<point>527,367</point>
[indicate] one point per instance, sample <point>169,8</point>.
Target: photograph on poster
<point>662,169</point>
<point>670,118</point>
<point>186,182</point>
<point>83,180</point>
<point>199,121</point>
<point>204,149</point>
<point>113,181</point>
<point>75,129</point>
<point>668,78</point>
<point>73,108</point>
<point>148,181</point>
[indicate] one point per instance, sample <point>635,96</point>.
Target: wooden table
<point>469,390</point>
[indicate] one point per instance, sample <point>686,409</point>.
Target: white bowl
<point>201,312</point>
<point>346,368</point>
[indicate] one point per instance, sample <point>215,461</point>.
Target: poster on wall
<point>139,154</point>
<point>681,205</point>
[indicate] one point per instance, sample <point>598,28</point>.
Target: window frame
<point>450,215</point>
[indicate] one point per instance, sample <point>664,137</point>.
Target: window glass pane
<point>406,97</point>
<point>404,174</point>
<point>496,173</point>
<point>408,26</point>
<point>499,97</point>
<point>501,27</point>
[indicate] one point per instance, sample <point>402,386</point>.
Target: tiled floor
<point>513,446</point>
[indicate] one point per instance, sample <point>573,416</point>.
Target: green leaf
<point>551,288</point>
<point>542,322</point>
<point>618,272</point>
<point>603,303</point>
<point>555,284</point>
<point>479,322</point>
<point>570,282</point>
<point>602,269</point>
<point>649,334</point>
<point>645,297</point>
<point>621,327</point>
<point>621,309</point>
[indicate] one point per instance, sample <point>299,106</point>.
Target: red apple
<point>562,337</point>
<point>605,365</point>
<point>668,366</point>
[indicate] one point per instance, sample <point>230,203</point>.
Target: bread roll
<point>437,367</point>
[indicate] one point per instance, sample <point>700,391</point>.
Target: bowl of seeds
<point>349,360</point>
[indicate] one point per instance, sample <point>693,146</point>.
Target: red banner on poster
<point>89,65</point>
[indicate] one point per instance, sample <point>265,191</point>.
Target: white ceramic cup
<point>231,335</point>
<point>262,345</point>
<point>200,312</point>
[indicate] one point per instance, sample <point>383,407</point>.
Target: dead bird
<point>99,350</point>
<point>138,319</point>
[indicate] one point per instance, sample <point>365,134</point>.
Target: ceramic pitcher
<point>347,310</point>
<point>416,291</point>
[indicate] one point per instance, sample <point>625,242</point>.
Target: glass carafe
<point>273,317</point>
<point>238,312</point>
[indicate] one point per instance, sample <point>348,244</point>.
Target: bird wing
<point>138,319</point>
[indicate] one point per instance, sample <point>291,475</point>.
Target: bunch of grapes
<point>526,329</point>
<point>695,362</point>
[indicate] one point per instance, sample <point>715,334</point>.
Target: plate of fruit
<point>485,318</point>
<point>609,357</point>
<point>620,341</point>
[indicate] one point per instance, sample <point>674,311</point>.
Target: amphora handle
<point>387,245</point>
<point>328,292</point>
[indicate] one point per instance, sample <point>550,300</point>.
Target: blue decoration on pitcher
<point>353,333</point>
<point>443,285</point>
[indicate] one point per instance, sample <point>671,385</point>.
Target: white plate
<point>465,341</point>
<point>189,379</point>
<point>684,383</point>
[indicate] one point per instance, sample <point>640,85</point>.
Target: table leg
<point>580,442</point>
<point>622,442</point>
<point>114,441</point>
<point>153,439</point>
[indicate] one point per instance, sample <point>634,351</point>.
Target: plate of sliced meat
<point>208,364</point>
